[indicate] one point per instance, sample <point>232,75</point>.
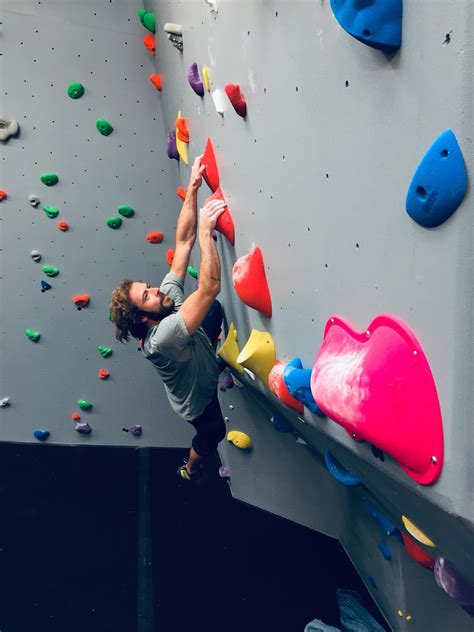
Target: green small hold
<point>126,211</point>
<point>84,404</point>
<point>105,352</point>
<point>141,14</point>
<point>114,222</point>
<point>51,211</point>
<point>75,90</point>
<point>50,271</point>
<point>193,272</point>
<point>149,21</point>
<point>104,127</point>
<point>49,179</point>
<point>34,336</point>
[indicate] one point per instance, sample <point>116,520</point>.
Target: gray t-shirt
<point>187,364</point>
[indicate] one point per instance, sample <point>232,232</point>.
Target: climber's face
<point>155,304</point>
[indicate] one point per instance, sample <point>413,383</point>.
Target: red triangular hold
<point>211,173</point>
<point>416,552</point>
<point>224,224</point>
<point>250,282</point>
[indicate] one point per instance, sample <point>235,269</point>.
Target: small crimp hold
<point>75,416</point>
<point>35,255</point>
<point>155,237</point>
<point>81,300</point>
<point>41,435</point>
<point>4,402</point>
<point>181,193</point>
<point>50,271</point>
<point>49,179</point>
<point>84,404</point>
<point>114,222</point>
<point>104,127</point>
<point>126,211</point>
<point>105,352</point>
<point>103,374</point>
<point>63,226</point>
<point>157,81</point>
<point>33,200</point>
<point>170,256</point>
<point>75,90</point>
<point>193,272</point>
<point>45,286</point>
<point>135,430</point>
<point>83,427</point>
<point>34,336</point>
<point>50,211</point>
<point>3,195</point>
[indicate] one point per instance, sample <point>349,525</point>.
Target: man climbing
<point>179,335</point>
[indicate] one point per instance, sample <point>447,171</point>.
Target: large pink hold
<point>378,385</point>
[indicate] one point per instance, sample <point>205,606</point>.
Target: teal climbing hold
<point>34,336</point>
<point>50,211</point>
<point>105,352</point>
<point>84,404</point>
<point>114,222</point>
<point>126,211</point>
<point>104,127</point>
<point>193,272</point>
<point>41,435</point>
<point>75,90</point>
<point>141,14</point>
<point>49,179</point>
<point>50,271</point>
<point>149,21</point>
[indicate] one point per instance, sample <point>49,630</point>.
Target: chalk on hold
<point>219,101</point>
<point>377,23</point>
<point>386,552</point>
<point>193,272</point>
<point>126,211</point>
<point>298,382</point>
<point>181,193</point>
<point>157,81</point>
<point>182,132</point>
<point>150,44</point>
<point>33,200</point>
<point>417,553</point>
<point>103,374</point>
<point>224,472</point>
<point>49,179</point>
<point>35,255</point>
<point>229,350</point>
<point>386,524</point>
<point>416,533</point>
<point>439,184</point>
<point>50,271</point>
<point>63,226</point>
<point>45,286</point>
<point>280,423</point>
<point>34,336</point>
<point>50,211</point>
<point>454,583</point>
<point>135,430</point>
<point>258,354</point>
<point>194,79</point>
<point>181,145</point>
<point>3,195</point>
<point>149,21</point>
<point>75,416</point>
<point>41,435</point>
<point>105,352</point>
<point>8,128</point>
<point>278,388</point>
<point>4,402</point>
<point>250,282</point>
<point>114,222</point>
<point>172,148</point>
<point>211,172</point>
<point>155,237</point>
<point>236,97</point>
<point>170,256</point>
<point>339,472</point>
<point>84,404</point>
<point>81,300</point>
<point>224,223</point>
<point>206,78</point>
<point>104,127</point>
<point>75,90</point>
<point>239,439</point>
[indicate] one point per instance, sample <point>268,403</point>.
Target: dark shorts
<point>210,428</point>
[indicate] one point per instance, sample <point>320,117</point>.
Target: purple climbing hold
<point>194,80</point>
<point>227,381</point>
<point>224,472</point>
<point>172,148</point>
<point>136,430</point>
<point>453,583</point>
<point>83,427</point>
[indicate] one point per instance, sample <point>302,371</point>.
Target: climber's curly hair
<point>125,315</point>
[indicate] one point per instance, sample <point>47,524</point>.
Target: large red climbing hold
<point>81,301</point>
<point>250,282</point>
<point>150,44</point>
<point>170,256</point>
<point>182,131</point>
<point>418,553</point>
<point>63,226</point>
<point>157,81</point>
<point>224,224</point>
<point>3,195</point>
<point>211,173</point>
<point>278,388</point>
<point>236,97</point>
<point>181,193</point>
<point>155,238</point>
<point>103,374</point>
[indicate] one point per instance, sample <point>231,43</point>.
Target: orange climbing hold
<point>211,173</point>
<point>64,226</point>
<point>278,388</point>
<point>75,416</point>
<point>103,374</point>
<point>170,256</point>
<point>224,224</point>
<point>157,81</point>
<point>250,282</point>
<point>150,44</point>
<point>81,300</point>
<point>155,238</point>
<point>182,130</point>
<point>3,195</point>
<point>181,193</point>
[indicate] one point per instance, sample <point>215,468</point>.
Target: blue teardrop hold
<point>298,382</point>
<point>338,471</point>
<point>41,435</point>
<point>371,581</point>
<point>383,548</point>
<point>280,423</point>
<point>439,184</point>
<point>45,286</point>
<point>376,23</point>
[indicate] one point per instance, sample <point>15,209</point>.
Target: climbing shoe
<point>182,472</point>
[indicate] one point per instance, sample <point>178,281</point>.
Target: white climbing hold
<point>173,29</point>
<point>219,100</point>
<point>212,4</point>
<point>7,128</point>
<point>34,200</point>
<point>250,374</point>
<point>231,407</point>
<point>5,402</point>
<point>36,255</point>
<point>301,441</point>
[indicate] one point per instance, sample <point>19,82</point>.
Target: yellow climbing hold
<point>400,613</point>
<point>181,146</point>
<point>230,349</point>
<point>416,533</point>
<point>205,76</point>
<point>258,355</point>
<point>239,439</point>
<point>408,617</point>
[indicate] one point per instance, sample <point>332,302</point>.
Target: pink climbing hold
<point>236,97</point>
<point>250,282</point>
<point>224,224</point>
<point>278,388</point>
<point>211,173</point>
<point>378,385</point>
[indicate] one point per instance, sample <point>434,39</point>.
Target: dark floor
<point>68,550</point>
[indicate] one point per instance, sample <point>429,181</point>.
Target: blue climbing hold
<point>384,522</point>
<point>339,472</point>
<point>371,582</point>
<point>280,423</point>
<point>41,435</point>
<point>376,23</point>
<point>45,286</point>
<point>383,548</point>
<point>297,381</point>
<point>439,184</point>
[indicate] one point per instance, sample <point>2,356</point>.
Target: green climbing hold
<point>51,211</point>
<point>114,222</point>
<point>49,179</point>
<point>84,404</point>
<point>149,21</point>
<point>50,271</point>
<point>75,90</point>
<point>34,336</point>
<point>193,272</point>
<point>126,211</point>
<point>104,127</point>
<point>105,352</point>
<point>141,14</point>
